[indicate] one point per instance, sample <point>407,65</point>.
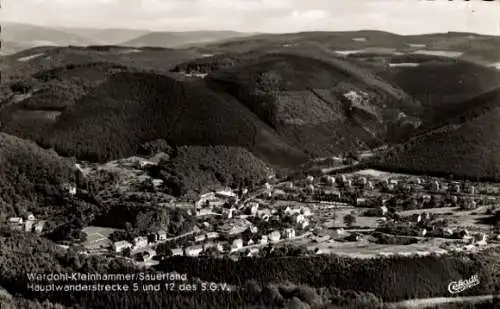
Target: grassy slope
<point>158,59</point>
<point>311,110</point>
<point>179,39</point>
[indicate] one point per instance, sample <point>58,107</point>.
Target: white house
<point>310,179</point>
<point>254,207</point>
<point>304,224</point>
<point>121,245</point>
<point>267,187</point>
<point>30,217</point>
<point>223,246</point>
<point>140,242</point>
<point>250,242</point>
<point>193,250</point>
<point>237,244</point>
<point>321,250</point>
<point>199,238</point>
<point>448,232</point>
<point>330,180</point>
<point>306,211</point>
<point>253,251</point>
<point>204,212</point>
<point>39,226</point>
<point>417,218</point>
<point>253,229</point>
<point>206,224</point>
<point>70,188</point>
<point>162,235</point>
<point>212,235</point>
<point>298,218</point>
<point>16,220</point>
<point>370,186</point>
<point>209,244</point>
<point>435,186</point>
<point>289,233</point>
<point>480,238</point>
<point>226,194</point>
<point>349,183</point>
<point>340,232</point>
<point>342,178</point>
<point>360,201</point>
<point>28,225</point>
<point>263,240</point>
<point>157,182</point>
<point>143,163</point>
<point>384,210</point>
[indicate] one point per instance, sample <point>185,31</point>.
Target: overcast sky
<point>401,16</point>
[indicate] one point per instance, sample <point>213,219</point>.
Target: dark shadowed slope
<point>29,175</point>
<point>179,39</point>
<point>466,145</point>
<point>131,108</point>
<point>443,87</point>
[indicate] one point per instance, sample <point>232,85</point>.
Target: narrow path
<point>427,302</point>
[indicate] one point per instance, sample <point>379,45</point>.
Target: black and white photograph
<point>249,154</point>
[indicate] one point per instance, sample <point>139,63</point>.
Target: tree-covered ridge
<point>112,118</point>
<point>30,177</point>
<point>198,169</point>
<point>465,145</point>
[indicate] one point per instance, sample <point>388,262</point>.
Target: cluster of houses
<point>249,241</point>
<point>28,224</point>
<point>339,188</point>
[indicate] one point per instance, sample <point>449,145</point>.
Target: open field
<point>331,216</point>
<point>97,237</point>
<point>458,218</point>
<point>366,249</point>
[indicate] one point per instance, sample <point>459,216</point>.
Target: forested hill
<point>132,108</point>
<point>464,145</point>
<point>322,104</point>
<point>30,177</point>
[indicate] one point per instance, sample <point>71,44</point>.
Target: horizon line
<point>242,32</point>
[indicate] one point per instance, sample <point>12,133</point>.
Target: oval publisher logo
<point>459,286</point>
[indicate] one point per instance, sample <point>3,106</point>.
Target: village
<point>364,213</point>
